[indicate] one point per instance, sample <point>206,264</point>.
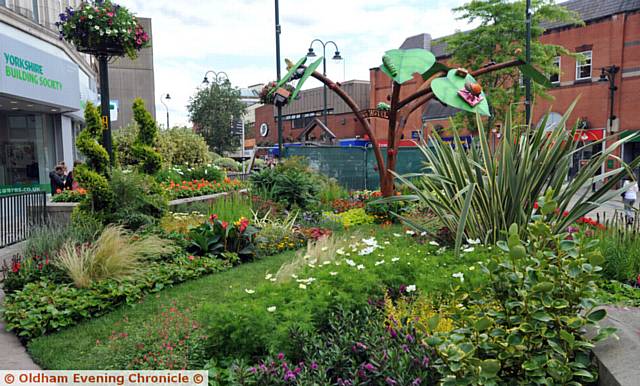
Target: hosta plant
<point>214,237</point>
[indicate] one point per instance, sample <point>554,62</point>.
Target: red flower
<point>638,280</point>
<point>213,217</point>
<point>15,267</point>
<point>535,205</point>
<point>224,225</point>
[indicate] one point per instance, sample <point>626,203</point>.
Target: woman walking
<point>629,198</point>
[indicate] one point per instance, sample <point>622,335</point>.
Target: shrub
<point>93,174</point>
<point>114,255</point>
<point>70,196</point>
<point>182,146</point>
<point>147,157</point>
<point>177,173</point>
<point>123,140</point>
<point>290,186</point>
<point>228,164</point>
<point>330,190</point>
<point>231,207</point>
<point>352,217</point>
<point>478,195</point>
<point>620,246</point>
<point>527,325</point>
<point>181,222</point>
<point>21,271</point>
<point>141,200</point>
<point>46,240</point>
<point>196,188</point>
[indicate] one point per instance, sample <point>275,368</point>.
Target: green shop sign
<point>27,71</point>
<point>30,71</point>
<point>13,189</point>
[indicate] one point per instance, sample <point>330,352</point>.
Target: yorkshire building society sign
<point>33,74</point>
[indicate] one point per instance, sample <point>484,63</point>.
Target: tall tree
<point>212,110</point>
<point>500,35</point>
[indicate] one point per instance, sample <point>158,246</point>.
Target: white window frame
<point>579,65</point>
<point>557,59</point>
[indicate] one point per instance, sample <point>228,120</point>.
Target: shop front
<point>39,93</point>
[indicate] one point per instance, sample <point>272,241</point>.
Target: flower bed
<point>202,187</point>
<point>45,306</point>
<point>69,195</point>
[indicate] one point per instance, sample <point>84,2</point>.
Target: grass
<point>227,291</point>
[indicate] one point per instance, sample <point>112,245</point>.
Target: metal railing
<point>20,213</point>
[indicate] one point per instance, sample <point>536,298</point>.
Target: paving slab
<point>619,359</point>
<point>13,355</point>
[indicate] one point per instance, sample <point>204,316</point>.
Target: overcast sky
<point>237,37</point>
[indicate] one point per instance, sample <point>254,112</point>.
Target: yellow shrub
<point>180,222</point>
<point>417,313</point>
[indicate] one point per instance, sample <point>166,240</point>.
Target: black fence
<point>20,213</point>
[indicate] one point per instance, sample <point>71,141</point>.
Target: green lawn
<point>77,347</point>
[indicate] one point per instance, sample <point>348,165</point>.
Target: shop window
<point>583,66</point>
<point>555,77</point>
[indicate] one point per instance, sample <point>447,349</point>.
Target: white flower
<point>423,234</point>
<point>434,243</point>
<point>273,279</point>
<point>350,262</point>
<point>326,262</point>
<point>397,235</point>
<point>473,242</point>
<point>472,268</point>
<point>293,275</point>
<point>249,291</point>
<point>311,265</point>
<point>371,242</point>
<point>459,275</point>
<point>333,273</point>
<point>387,243</point>
<point>410,232</point>
<point>379,263</point>
<point>360,267</point>
<point>394,259</point>
<point>411,288</point>
<point>366,251</point>
<point>470,249</point>
<point>302,286</point>
<point>271,309</point>
<point>268,277</point>
<point>340,251</point>
<point>324,249</point>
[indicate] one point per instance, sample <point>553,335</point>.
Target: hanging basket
<point>102,29</point>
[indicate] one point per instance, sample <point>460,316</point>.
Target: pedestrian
<point>70,183</point>
<point>56,177</point>
<point>629,198</point>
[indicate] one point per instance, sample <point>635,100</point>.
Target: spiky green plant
<point>480,192</point>
<point>144,146</point>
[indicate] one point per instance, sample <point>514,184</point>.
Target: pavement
<point>13,355</point>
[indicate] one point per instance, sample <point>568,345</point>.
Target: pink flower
<point>224,225</point>
<point>280,356</point>
<point>191,257</point>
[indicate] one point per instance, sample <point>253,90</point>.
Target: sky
<point>237,37</point>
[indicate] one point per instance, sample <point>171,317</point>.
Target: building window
<point>583,66</point>
<point>555,77</point>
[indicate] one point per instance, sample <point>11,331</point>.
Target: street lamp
<point>217,77</point>
<point>609,74</point>
<point>336,56</point>
<point>167,97</point>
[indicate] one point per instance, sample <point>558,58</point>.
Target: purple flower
<point>369,367</point>
<point>390,381</point>
<point>392,332</point>
<point>410,338</point>
<point>403,287</point>
<point>252,370</point>
<point>359,346</point>
<point>425,361</point>
<point>297,370</point>
<point>405,348</point>
<point>416,382</point>
<point>289,376</point>
<point>281,356</point>
<point>314,366</point>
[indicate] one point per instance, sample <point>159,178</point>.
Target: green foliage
<point>479,192</point>
<point>291,183</point>
<point>446,90</point>
<point>352,348</point>
<point>207,172</point>
<point>22,270</point>
<point>94,173</point>
<point>217,237</point>
<point>45,306</point>
<point>331,190</point>
<point>527,325</point>
<point>46,240</point>
<point>70,196</point>
<point>212,110</point>
<point>620,246</point>
<point>123,140</point>
<point>143,148</point>
<point>231,207</point>
<point>141,200</point>
<point>498,38</point>
<point>351,217</point>
<point>228,164</point>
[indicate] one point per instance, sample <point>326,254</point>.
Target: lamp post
<point>609,74</point>
<point>527,80</point>
<point>336,56</point>
<point>167,97</point>
<point>278,75</point>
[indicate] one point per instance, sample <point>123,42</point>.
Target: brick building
<point>303,120</point>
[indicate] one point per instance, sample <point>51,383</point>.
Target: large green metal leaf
<point>535,75</point>
<point>400,65</point>
<point>446,90</point>
<point>287,77</point>
<point>307,73</point>
<point>437,67</point>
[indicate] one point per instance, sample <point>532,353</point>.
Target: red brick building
<point>303,120</point>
